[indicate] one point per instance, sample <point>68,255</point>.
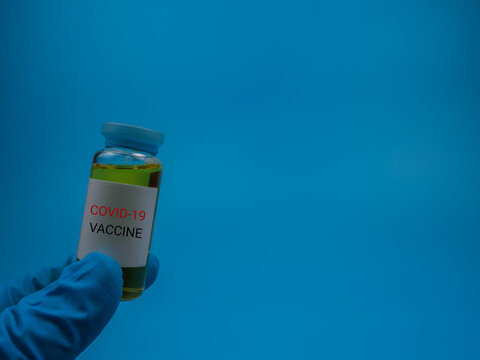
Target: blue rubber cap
<point>133,137</point>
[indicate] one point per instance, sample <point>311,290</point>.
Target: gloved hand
<point>57,312</point>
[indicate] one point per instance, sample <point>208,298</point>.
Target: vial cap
<point>130,136</point>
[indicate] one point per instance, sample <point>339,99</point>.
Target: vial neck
<point>132,146</point>
<point>111,145</point>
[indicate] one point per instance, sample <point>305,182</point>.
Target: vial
<point>121,201</point>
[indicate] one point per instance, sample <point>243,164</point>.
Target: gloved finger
<point>12,292</point>
<point>152,270</point>
<point>62,319</point>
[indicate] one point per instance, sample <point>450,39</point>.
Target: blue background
<point>320,197</point>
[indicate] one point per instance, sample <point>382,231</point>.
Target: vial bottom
<point>131,294</point>
<point>133,282</point>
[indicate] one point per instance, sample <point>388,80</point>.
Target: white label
<point>118,221</point>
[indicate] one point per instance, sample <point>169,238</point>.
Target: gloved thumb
<point>62,319</point>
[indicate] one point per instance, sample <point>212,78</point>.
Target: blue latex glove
<point>58,311</point>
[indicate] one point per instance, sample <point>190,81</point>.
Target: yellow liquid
<point>142,175</point>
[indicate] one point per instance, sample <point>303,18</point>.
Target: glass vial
<point>121,201</point>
